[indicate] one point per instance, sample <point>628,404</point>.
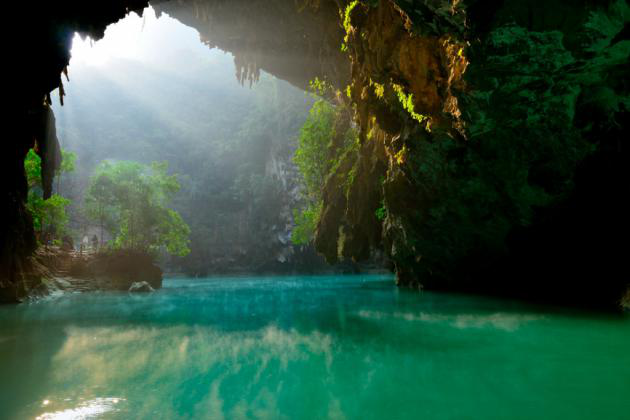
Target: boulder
<point>140,287</point>
<point>118,270</point>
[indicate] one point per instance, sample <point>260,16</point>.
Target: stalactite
<point>62,92</point>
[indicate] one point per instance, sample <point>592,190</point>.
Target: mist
<point>149,91</point>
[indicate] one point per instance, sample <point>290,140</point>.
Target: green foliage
<point>406,101</point>
<point>347,150</point>
<point>347,23</point>
<point>129,199</point>
<point>100,203</point>
<point>175,233</point>
<point>381,212</point>
<point>311,154</point>
<point>33,169</point>
<point>319,87</point>
<point>320,154</point>
<point>48,215</point>
<point>33,166</point>
<point>521,155</point>
<point>379,89</point>
<point>68,162</point>
<point>311,158</point>
<point>305,223</point>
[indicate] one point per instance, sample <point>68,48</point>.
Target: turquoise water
<point>351,347</point>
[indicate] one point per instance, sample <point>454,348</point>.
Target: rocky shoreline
<point>53,269</point>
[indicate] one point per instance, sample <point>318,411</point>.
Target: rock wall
<point>39,55</point>
<point>492,132</point>
<point>296,41</point>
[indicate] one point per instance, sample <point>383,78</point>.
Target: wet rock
<point>53,269</point>
<point>495,148</point>
<point>140,287</point>
<point>118,270</point>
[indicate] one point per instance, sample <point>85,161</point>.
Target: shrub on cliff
<point>325,141</point>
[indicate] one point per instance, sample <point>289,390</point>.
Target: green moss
<point>305,223</point>
<point>381,212</point>
<point>318,159</point>
<point>313,143</point>
<point>319,87</point>
<point>347,23</point>
<point>379,89</point>
<point>406,100</point>
<point>350,178</point>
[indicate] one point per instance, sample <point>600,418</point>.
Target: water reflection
<point>310,347</point>
<point>85,410</point>
<point>210,371</point>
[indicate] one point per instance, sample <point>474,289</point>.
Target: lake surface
<point>353,347</point>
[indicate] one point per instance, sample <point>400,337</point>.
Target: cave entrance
<point>156,90</point>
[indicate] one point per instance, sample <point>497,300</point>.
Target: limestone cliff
<point>39,57</point>
<point>296,41</point>
<point>493,134</point>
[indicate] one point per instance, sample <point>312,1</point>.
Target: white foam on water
<point>161,358</point>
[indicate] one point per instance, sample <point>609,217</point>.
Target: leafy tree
<point>68,162</point>
<point>33,166</point>
<point>130,200</point>
<point>100,204</point>
<point>49,216</point>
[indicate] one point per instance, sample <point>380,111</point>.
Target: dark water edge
<point>309,347</point>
